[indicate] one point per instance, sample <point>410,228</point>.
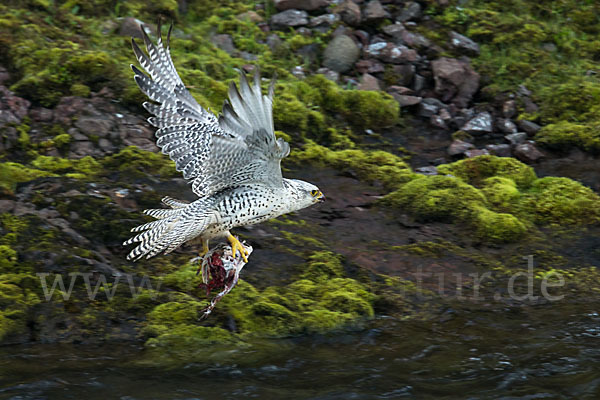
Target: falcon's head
<point>304,194</point>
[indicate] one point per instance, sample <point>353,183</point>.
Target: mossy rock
<point>501,193</point>
<point>564,135</point>
<point>562,201</point>
<point>476,169</point>
<point>437,198</point>
<point>375,166</point>
<point>498,227</point>
<point>12,173</point>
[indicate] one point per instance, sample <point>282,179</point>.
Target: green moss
<point>501,193</point>
<point>564,135</point>
<point>498,227</point>
<point>437,198</point>
<point>12,173</point>
<point>374,166</point>
<point>8,259</point>
<point>17,297</point>
<point>132,161</point>
<point>79,89</point>
<point>475,170</point>
<point>83,167</point>
<point>562,201</point>
<point>323,265</point>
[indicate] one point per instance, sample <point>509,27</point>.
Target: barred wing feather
<point>238,147</point>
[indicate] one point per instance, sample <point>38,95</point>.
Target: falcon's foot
<point>236,246</point>
<point>204,249</point>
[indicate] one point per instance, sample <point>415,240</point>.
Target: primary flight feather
<point>232,161</point>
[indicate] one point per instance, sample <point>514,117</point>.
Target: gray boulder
<point>341,54</point>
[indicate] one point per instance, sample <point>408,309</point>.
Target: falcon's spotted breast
<point>232,161</point>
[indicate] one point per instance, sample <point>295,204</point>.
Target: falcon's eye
<point>314,193</point>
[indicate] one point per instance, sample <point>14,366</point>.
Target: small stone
<point>438,122</point>
<point>324,22</point>
<point>463,44</point>
<point>516,138</point>
<point>341,54</point>
<point>308,5</point>
<point>298,72</point>
<point>411,10</point>
<point>429,106</point>
<point>369,66</point>
<point>251,16</point>
<point>509,109</point>
<point>309,53</point>
<point>428,170</point>
<point>400,90</point>
<point>374,12</point>
<point>406,101</point>
<point>329,74</point>
<point>394,30</point>
<point>480,124</point>
<point>419,83</point>
<point>530,107</point>
<point>289,19</point>
<point>106,145</point>
<point>7,206</point>
<point>528,153</point>
<point>349,12</point>
<point>500,150</point>
<point>531,128</point>
<point>476,153</point>
<point>92,126</point>
<point>368,82</point>
<point>458,147</point>
<point>274,41</point>
<point>391,53</point>
<point>224,42</point>
<point>4,75</point>
<point>506,125</point>
<point>523,91</point>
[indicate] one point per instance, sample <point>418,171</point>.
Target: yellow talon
<point>236,246</point>
<point>204,248</point>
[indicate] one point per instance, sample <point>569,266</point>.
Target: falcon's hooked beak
<point>318,195</point>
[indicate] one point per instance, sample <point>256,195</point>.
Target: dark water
<point>549,351</point>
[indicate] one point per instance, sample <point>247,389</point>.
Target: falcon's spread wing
<point>238,147</point>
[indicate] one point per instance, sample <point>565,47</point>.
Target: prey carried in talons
<point>236,246</point>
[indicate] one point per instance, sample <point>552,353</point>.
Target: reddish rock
<point>455,80</point>
<point>500,150</point>
<point>476,153</point>
<point>251,16</point>
<point>459,147</point>
<point>374,11</point>
<point>368,82</point>
<point>405,100</point>
<point>528,153</point>
<point>369,66</point>
<point>349,12</point>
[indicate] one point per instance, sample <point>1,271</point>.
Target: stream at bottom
<point>549,351</point>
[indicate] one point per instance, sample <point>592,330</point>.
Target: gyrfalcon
<point>232,161</point>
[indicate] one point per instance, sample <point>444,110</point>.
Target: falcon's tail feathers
<point>172,228</point>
